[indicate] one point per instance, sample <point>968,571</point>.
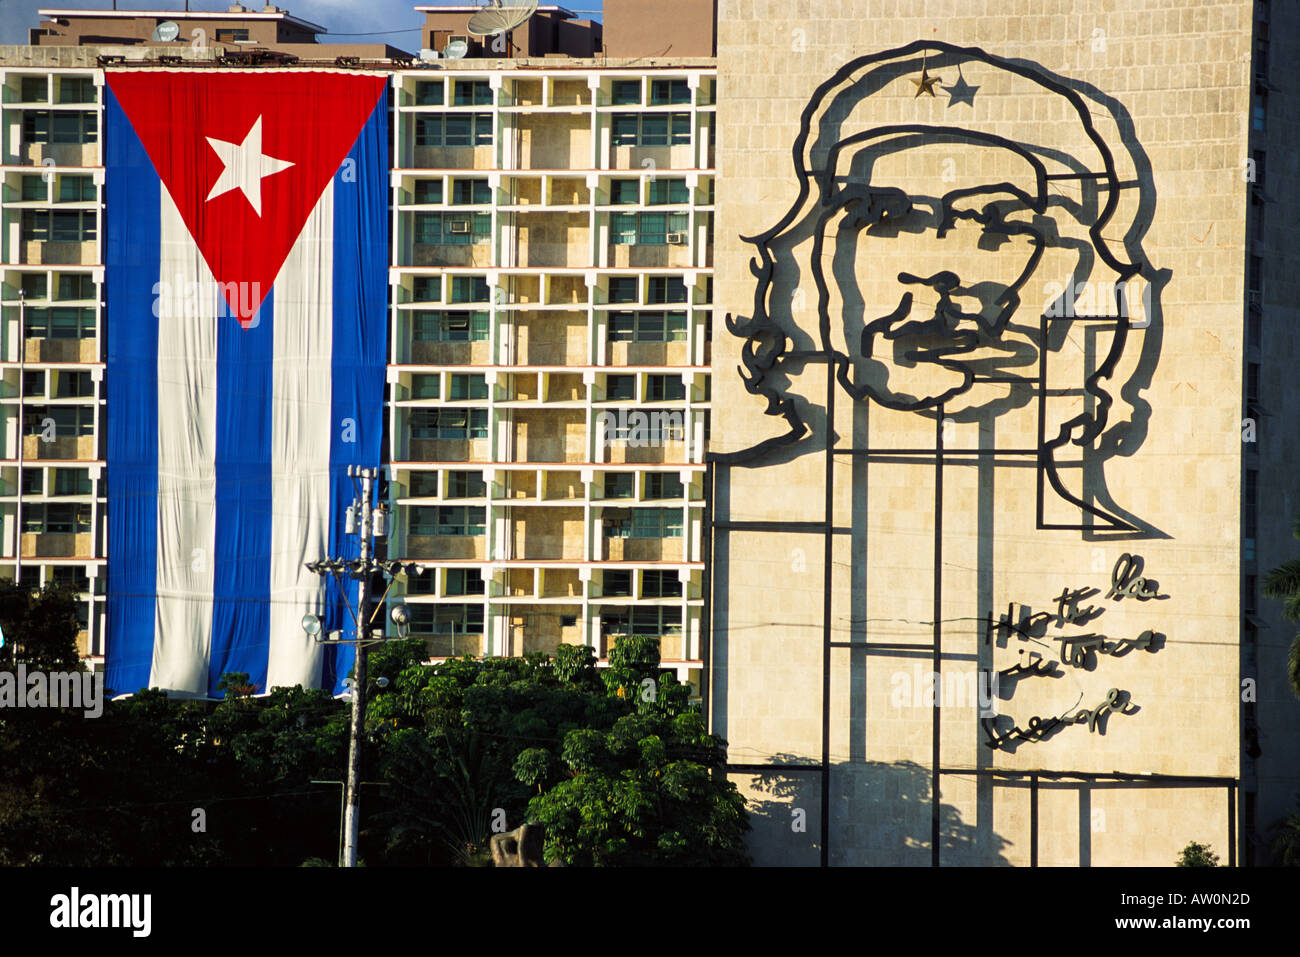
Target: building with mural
<point>960,539</point>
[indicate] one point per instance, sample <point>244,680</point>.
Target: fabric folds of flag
<point>246,247</point>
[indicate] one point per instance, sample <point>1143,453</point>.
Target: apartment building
<point>551,303</point>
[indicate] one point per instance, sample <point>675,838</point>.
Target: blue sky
<point>397,19</point>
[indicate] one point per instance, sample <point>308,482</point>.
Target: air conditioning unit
<point>459,226</point>
<point>676,239</point>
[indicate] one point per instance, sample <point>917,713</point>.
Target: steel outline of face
<point>886,203</point>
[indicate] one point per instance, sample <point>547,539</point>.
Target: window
<point>71,385</point>
<point>69,576</point>
<point>1252,382</point>
<point>428,192</point>
<point>33,285</point>
<point>666,289</point>
<point>61,226</point>
<point>469,289</point>
<point>664,388</point>
<point>76,285</point>
<point>457,424</point>
<point>60,323</point>
<point>34,383</point>
<point>452,229</point>
<point>34,190</point>
<point>625,192</point>
<point>663,192</point>
<point>43,126</point>
<point>466,485</point>
<point>436,326</point>
<point>463,581</point>
<point>647,326</point>
<point>1259,111</point>
<point>660,584</point>
<point>35,89</point>
<point>650,622</point>
<point>76,420</point>
<point>465,385</point>
<point>57,519</point>
<point>466,129</point>
<point>427,289</point>
<point>651,129</point>
<point>623,289</point>
<point>669,92</point>
<point>428,93</point>
<point>656,523</point>
<point>72,482</point>
<point>620,485</point>
<point>626,93</point>
<point>76,89</point>
<point>232,35</point>
<point>471,93</point>
<point>648,229</point>
<point>1250,514</point>
<point>470,192</point>
<point>460,520</point>
<point>616,583</point>
<point>424,485</point>
<point>620,387</point>
<point>663,485</point>
<point>426,386</point>
<point>33,482</point>
<point>447,619</point>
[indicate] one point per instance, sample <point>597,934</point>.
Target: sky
<point>388,21</point>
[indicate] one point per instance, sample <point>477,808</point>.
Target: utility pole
<point>352,818</point>
<point>370,523</point>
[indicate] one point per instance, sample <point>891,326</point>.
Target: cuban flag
<point>246,246</point>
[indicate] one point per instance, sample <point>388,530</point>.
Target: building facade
<point>965,557</point>
<point>1004,445</point>
<point>551,282</point>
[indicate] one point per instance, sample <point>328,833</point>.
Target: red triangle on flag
<point>245,156</point>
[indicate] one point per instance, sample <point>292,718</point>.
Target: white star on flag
<point>246,166</point>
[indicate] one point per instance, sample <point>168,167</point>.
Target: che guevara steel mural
<point>951,340</point>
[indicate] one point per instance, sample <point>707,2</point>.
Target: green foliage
<point>40,628</point>
<point>1286,840</point>
<point>641,791</point>
<point>615,761</point>
<point>1283,582</point>
<point>1197,855</point>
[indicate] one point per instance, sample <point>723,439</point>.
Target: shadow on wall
<point>880,815</point>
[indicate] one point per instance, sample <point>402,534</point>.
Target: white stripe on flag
<point>187,446</point>
<point>302,386</point>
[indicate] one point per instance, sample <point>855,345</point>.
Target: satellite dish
<point>166,32</point>
<point>455,50</point>
<point>497,17</point>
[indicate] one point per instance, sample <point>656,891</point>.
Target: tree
<point>642,792</point>
<point>1197,855</point>
<point>1286,840</point>
<point>40,628</point>
<point>1283,583</point>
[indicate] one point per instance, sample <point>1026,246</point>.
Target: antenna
<point>165,32</point>
<point>496,17</point>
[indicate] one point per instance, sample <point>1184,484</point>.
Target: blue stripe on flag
<point>360,347</point>
<point>132,195</point>
<point>241,580</point>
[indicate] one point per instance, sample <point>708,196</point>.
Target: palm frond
<point>1293,665</point>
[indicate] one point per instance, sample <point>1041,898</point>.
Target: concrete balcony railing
<point>69,447</point>
<point>58,545</point>
<point>476,255</point>
<point>453,646</point>
<point>446,547</point>
<point>36,252</point>
<point>60,350</point>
